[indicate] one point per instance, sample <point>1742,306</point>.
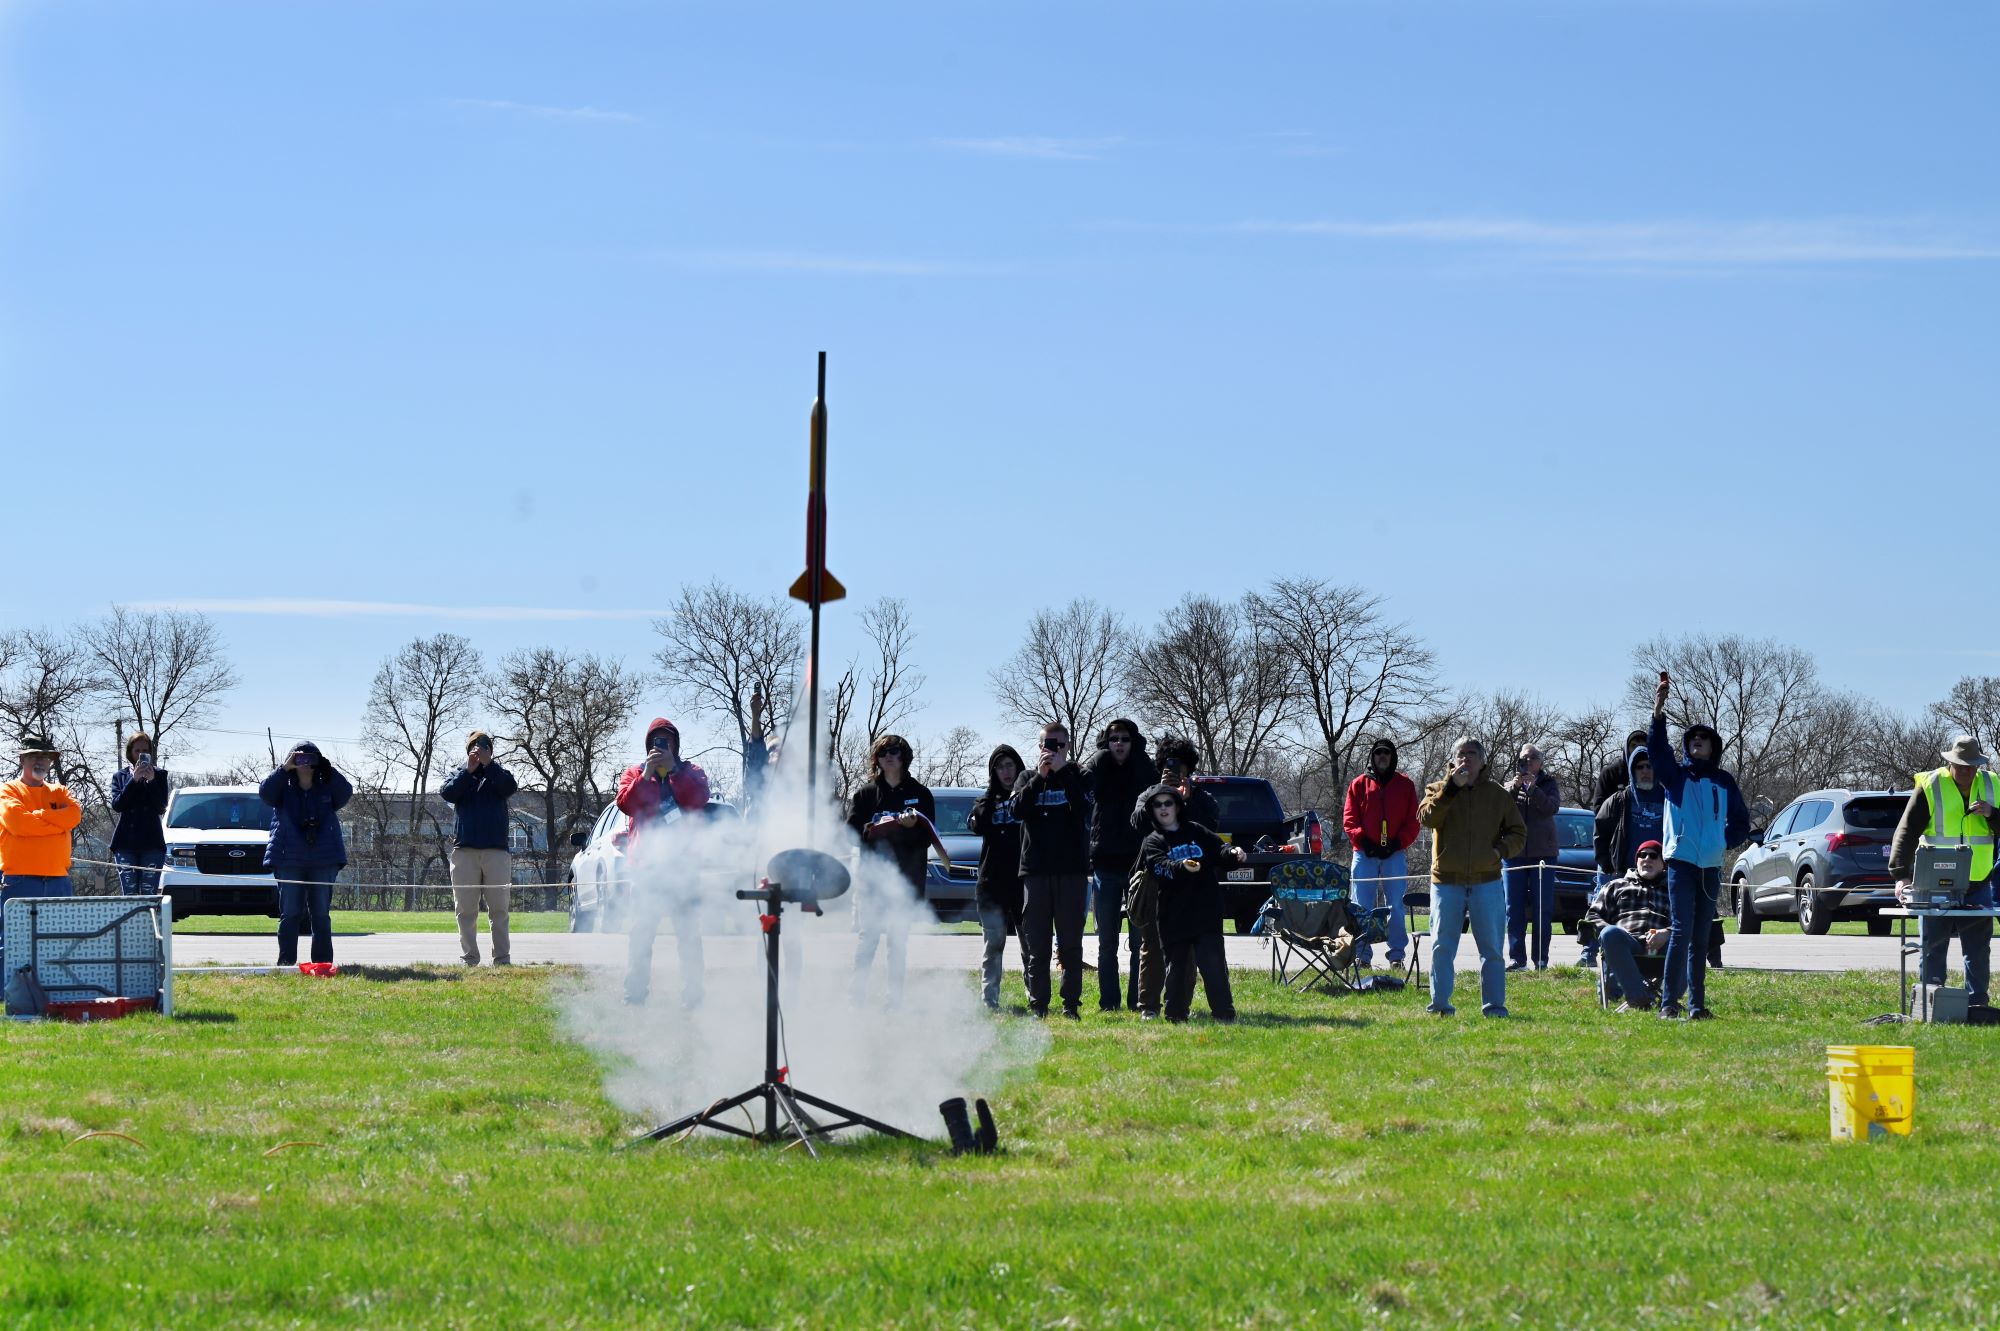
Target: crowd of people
<point>1127,839</point>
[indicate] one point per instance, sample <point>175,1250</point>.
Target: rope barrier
<point>306,882</point>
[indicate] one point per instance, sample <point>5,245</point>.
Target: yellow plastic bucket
<point>1871,1090</point>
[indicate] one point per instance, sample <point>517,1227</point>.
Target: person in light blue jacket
<point>1705,816</point>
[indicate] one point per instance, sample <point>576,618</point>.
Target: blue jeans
<point>1107,909</point>
<point>1530,901</point>
<point>139,872</point>
<point>305,904</point>
<point>993,931</point>
<point>1691,893</point>
<point>28,885</point>
<point>1487,905</point>
<point>1975,940</point>
<point>1382,883</point>
<point>1622,976</point>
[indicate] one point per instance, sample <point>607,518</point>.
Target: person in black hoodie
<point>999,899</point>
<point>1119,774</point>
<point>1188,860</point>
<point>1617,773</point>
<point>1052,803</point>
<point>895,816</point>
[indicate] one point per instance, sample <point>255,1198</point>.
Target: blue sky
<point>1557,324</point>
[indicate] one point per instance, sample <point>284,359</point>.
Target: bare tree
<point>50,686</point>
<point>1215,674</point>
<point>561,715</point>
<point>1580,745</point>
<point>417,698</point>
<point>1066,669</point>
<point>720,648</point>
<point>1971,708</point>
<point>1358,676</point>
<point>163,668</point>
<point>954,759</point>
<point>1757,693</point>
<point>876,692</point>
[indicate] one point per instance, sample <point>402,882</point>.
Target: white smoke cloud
<point>855,1045</point>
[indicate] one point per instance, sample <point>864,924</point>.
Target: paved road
<point>1783,952</point>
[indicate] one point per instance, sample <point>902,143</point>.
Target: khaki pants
<point>1142,909</point>
<point>481,875</point>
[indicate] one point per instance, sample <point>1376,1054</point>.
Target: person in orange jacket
<point>37,815</point>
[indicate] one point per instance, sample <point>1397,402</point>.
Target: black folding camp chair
<point>1312,926</point>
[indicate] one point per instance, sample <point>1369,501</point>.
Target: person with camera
<point>1052,803</point>
<point>1632,918</point>
<point>482,860</point>
<point>306,851</point>
<point>1380,819</point>
<point>999,892</point>
<point>139,798</point>
<point>1187,859</point>
<point>1705,816</point>
<point>1119,774</point>
<point>895,816</point>
<point>1476,826</point>
<point>1531,873</point>
<point>652,792</point>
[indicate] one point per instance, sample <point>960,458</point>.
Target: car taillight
<point>1848,840</point>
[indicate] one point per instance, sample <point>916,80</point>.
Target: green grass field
<point>378,922</point>
<point>1330,1161</point>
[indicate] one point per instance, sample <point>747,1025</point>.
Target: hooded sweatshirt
<point>1114,788</point>
<point>1705,814</point>
<point>1054,811</point>
<point>1474,828</point>
<point>992,821</point>
<point>1190,899</point>
<point>35,824</point>
<point>1380,815</point>
<point>1628,819</point>
<point>641,796</point>
<point>908,848</point>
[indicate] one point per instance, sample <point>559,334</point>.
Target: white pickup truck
<point>215,852</point>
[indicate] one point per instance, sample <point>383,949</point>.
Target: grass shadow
<point>1323,1020</point>
<point>204,1018</point>
<point>399,974</point>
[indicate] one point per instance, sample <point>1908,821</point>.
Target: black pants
<point>1205,955</point>
<point>1053,902</point>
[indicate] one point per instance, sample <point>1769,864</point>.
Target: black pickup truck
<point>1252,816</point>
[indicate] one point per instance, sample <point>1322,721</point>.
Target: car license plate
<point>1242,875</point>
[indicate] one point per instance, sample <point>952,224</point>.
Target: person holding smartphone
<point>1705,816</point>
<point>1475,827</point>
<point>649,789</point>
<point>1052,803</point>
<point>139,798</point>
<point>1531,873</point>
<point>306,851</point>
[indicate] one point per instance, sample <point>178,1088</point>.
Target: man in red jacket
<point>654,792</point>
<point>1381,823</point>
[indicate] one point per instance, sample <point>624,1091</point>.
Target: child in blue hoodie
<point>1704,816</point>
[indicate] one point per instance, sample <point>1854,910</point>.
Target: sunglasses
<point>1119,739</point>
<point>1055,745</point>
<point>904,754</point>
<point>1649,855</point>
<point>1164,804</point>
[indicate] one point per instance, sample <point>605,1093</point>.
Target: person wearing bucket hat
<point>37,816</point>
<point>482,863</point>
<point>1953,805</point>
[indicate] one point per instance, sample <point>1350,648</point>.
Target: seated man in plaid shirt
<point>1632,915</point>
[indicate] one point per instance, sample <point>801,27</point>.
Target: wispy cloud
<point>1665,243</point>
<point>316,609</point>
<point>1035,145</point>
<point>839,265</point>
<point>539,112</point>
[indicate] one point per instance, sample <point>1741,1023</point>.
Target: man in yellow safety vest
<point>1953,806</point>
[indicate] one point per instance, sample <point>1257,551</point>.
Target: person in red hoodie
<point>653,792</point>
<point>1381,824</point>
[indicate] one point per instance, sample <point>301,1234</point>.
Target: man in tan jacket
<point>1474,826</point>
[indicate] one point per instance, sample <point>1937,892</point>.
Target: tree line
<point>1293,680</point>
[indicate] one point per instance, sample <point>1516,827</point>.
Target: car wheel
<point>1877,927</point>
<point>1748,921</point>
<point>1815,917</point>
<point>580,921</point>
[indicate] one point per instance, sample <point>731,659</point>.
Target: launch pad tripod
<point>785,1105</point>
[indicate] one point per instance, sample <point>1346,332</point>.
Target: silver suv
<point>1825,857</point>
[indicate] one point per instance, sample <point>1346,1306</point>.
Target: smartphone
<point>145,760</point>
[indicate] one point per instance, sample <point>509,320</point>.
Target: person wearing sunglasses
<point>1186,859</point>
<point>894,815</point>
<point>1633,914</point>
<point>1052,804</point>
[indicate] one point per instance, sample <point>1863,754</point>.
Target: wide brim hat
<point>1964,750</point>
<point>31,745</point>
